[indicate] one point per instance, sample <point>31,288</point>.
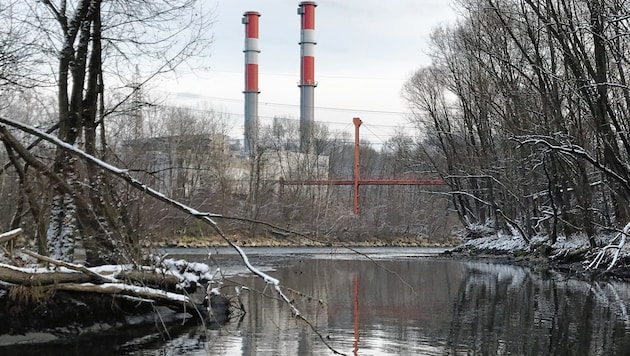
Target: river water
<point>399,301</point>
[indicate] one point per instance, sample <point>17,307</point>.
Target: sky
<point>366,50</point>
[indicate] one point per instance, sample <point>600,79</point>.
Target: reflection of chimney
<point>307,74</point>
<point>250,19</point>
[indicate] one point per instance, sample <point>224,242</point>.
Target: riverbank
<point>572,256</point>
<point>281,240</point>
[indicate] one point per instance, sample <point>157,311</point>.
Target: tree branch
<point>207,218</point>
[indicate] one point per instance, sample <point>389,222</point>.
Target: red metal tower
<point>358,181</point>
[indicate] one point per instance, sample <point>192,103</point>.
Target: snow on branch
<point>10,235</point>
<point>621,238</point>
<point>72,266</point>
<point>574,150</point>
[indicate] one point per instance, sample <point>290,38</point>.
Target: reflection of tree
<point>510,310</point>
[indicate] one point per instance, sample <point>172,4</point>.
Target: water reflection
<point>503,310</point>
<point>411,306</point>
<point>356,306</point>
<point>441,308</point>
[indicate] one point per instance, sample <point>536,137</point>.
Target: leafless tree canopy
<point>525,110</point>
<point>78,49</point>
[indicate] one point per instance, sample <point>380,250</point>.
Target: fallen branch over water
<point>74,294</point>
<point>72,266</point>
<point>205,217</point>
<point>145,294</point>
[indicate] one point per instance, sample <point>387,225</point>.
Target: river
<point>399,301</point>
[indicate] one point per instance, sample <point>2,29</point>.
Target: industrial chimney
<point>307,74</point>
<point>250,19</point>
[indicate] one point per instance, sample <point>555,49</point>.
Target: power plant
<point>307,83</point>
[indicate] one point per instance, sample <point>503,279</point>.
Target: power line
<point>268,118</point>
<point>346,126</point>
<point>348,77</point>
<point>325,108</point>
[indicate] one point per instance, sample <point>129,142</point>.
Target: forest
<point>525,113</point>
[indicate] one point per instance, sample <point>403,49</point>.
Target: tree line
<point>525,111</point>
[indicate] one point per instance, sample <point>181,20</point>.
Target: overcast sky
<point>365,51</point>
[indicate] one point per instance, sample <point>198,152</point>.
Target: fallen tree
<point>64,300</point>
<point>126,289</point>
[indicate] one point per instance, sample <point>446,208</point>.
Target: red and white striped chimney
<point>250,19</point>
<point>307,74</point>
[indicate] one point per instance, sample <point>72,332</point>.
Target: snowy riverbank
<point>573,255</point>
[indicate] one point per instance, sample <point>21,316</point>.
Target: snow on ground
<point>496,244</point>
<point>480,239</point>
<point>574,243</point>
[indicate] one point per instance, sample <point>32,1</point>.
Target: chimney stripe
<point>308,18</point>
<point>252,78</point>
<point>308,70</point>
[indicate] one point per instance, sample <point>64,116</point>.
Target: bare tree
<point>18,52</point>
<point>91,41</point>
<point>523,104</point>
<point>186,154</point>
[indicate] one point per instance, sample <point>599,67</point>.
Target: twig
<point>379,265</point>
<point>321,337</point>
